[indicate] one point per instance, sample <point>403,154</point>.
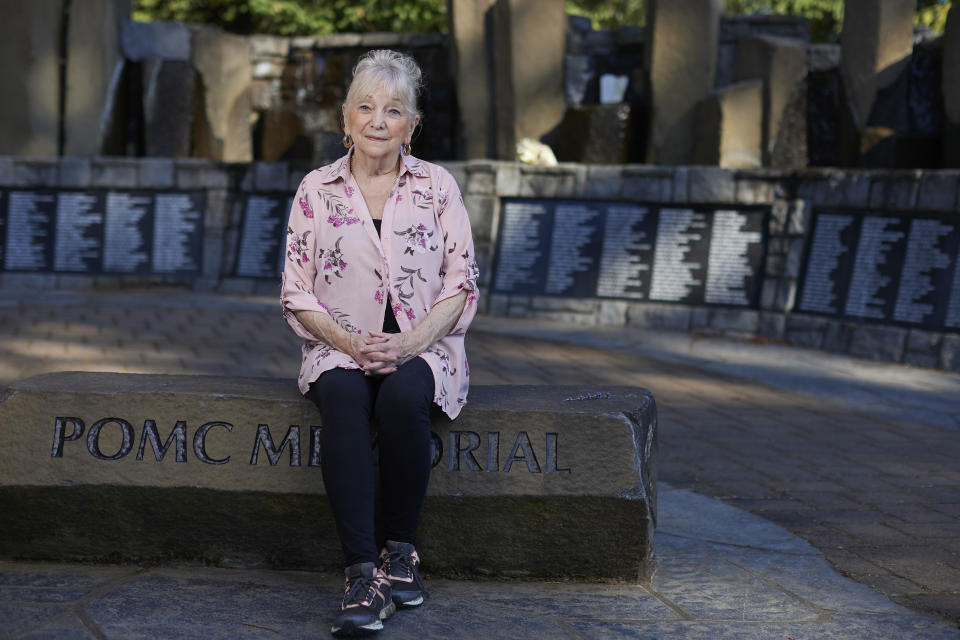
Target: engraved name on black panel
<point>128,232</point>
<point>952,317</point>
<point>524,245</point>
<point>574,247</point>
<point>680,257</point>
<point>829,261</point>
<point>736,255</point>
<point>627,253</point>
<point>178,233</point>
<point>30,231</point>
<point>926,272</point>
<point>4,198</point>
<point>873,282</point>
<point>261,238</point>
<point>79,238</point>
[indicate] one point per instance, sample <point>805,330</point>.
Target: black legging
<point>399,405</point>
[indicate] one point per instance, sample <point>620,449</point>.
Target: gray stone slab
<point>553,600</point>
<point>714,588</point>
<point>834,628</point>
<point>69,628</point>
<point>17,617</point>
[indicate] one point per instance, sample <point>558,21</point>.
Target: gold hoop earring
<point>347,141</point>
<point>405,148</point>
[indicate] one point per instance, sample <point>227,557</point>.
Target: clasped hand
<point>380,354</point>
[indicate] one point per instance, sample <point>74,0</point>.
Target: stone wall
<point>791,195</point>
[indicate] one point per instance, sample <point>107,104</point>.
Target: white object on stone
<point>613,88</point>
<point>532,152</point>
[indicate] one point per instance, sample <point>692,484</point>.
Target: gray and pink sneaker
<point>367,601</point>
<point>400,562</point>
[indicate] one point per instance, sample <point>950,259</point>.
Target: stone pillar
<point>529,38</point>
<point>94,67</point>
<point>30,77</point>
<point>951,89</point>
<point>728,126</point>
<point>222,129</point>
<point>680,62</point>
<point>471,56</point>
<point>876,43</point>
<point>162,52</point>
<point>781,65</point>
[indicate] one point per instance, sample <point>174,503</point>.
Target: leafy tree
<point>300,17</point>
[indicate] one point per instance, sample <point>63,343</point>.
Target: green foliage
<point>609,14</point>
<point>933,13</point>
<point>826,16</point>
<point>300,17</point>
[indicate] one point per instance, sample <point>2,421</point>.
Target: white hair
<point>396,72</point>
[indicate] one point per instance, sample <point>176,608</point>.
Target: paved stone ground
<point>877,494</point>
<point>723,574</point>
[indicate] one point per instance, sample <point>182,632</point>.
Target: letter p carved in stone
<point>59,434</point>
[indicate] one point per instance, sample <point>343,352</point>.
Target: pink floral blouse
<point>337,264</point>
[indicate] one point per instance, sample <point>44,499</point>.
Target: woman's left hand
<point>387,351</point>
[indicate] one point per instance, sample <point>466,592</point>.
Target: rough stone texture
<point>474,78</point>
<point>878,343</point>
<point>529,40</point>
<point>155,173</point>
<point>481,210</point>
<point>519,464</point>
<point>94,63</point>
<point>781,65</point>
<point>838,336</point>
<point>646,183</point>
<point>551,182</point>
<point>156,40</point>
<point>876,43</point>
<point>753,191</point>
<point>36,172</point>
<point>659,316</point>
<point>741,321</point>
<point>939,191</point>
<point>578,305</point>
<point>950,353</point>
<point>607,182</point>
<point>222,61</point>
<point>710,184</point>
<point>29,111</point>
<point>170,105</point>
<point>729,123</point>
<point>950,85</point>
<point>74,172</point>
<point>592,134</point>
<point>114,172</point>
<point>772,325</point>
<point>681,42</point>
<point>845,189</point>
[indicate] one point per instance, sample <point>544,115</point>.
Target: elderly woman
<point>380,280</point>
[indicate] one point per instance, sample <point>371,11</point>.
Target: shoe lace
<point>359,591</point>
<point>404,562</point>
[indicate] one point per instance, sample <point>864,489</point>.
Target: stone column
<point>728,126</point>
<point>471,56</point>
<point>781,65</point>
<point>680,62</point>
<point>951,89</point>
<point>876,43</point>
<point>30,77</point>
<point>529,38</point>
<point>222,129</point>
<point>94,67</point>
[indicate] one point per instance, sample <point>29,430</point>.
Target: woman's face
<point>378,124</point>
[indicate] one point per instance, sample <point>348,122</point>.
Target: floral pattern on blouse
<point>336,263</point>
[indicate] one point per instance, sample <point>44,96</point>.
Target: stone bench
<point>528,481</point>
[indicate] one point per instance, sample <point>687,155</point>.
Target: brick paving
<point>879,497</point>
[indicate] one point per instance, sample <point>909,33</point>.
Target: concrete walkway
<point>858,459</point>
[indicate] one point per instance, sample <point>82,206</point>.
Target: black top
<point>389,321</point>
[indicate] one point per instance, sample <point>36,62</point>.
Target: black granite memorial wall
<point>884,267</point>
<point>634,251</point>
<point>94,231</point>
<point>261,238</point>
